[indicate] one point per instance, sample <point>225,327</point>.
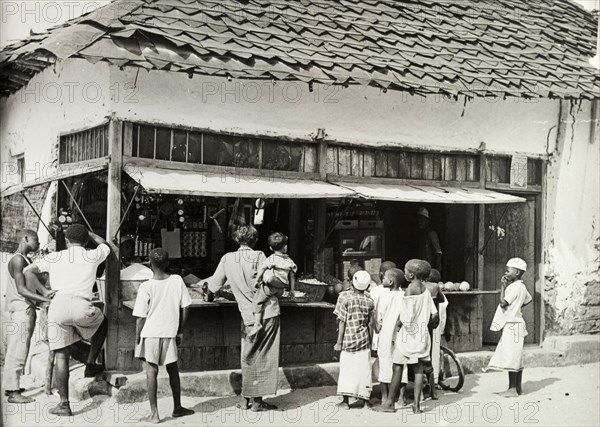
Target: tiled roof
<point>535,48</point>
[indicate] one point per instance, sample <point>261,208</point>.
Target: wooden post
<point>113,218</point>
<point>481,224</point>
<point>320,216</point>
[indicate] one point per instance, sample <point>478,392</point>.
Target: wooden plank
<point>311,163</point>
<point>113,215</point>
<point>472,169</point>
<point>437,167</point>
<point>356,162</point>
<point>127,139</point>
<point>504,169</point>
<point>393,166</point>
<point>233,356</point>
<point>344,161</point>
<point>449,168</point>
<point>368,163</point>
<point>428,166</point>
<point>416,166</point>
<point>332,160</point>
<point>381,163</point>
<point>326,327</point>
<point>461,168</point>
<point>303,331</point>
<point>404,165</point>
<point>488,168</point>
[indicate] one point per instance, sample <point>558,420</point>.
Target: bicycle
<point>452,374</point>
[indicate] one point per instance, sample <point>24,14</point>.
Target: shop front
<point>183,189</point>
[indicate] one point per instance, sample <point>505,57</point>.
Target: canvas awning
<point>429,194</point>
<point>64,171</point>
<point>167,181</point>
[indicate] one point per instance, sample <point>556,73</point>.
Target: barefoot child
<point>509,353</point>
<point>354,311</point>
<point>161,307</point>
<point>412,344</point>
<point>274,276</point>
<point>436,340</point>
<point>393,279</point>
<point>436,293</point>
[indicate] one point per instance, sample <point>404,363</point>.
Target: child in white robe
<point>509,318</point>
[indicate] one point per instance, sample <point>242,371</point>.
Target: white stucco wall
<point>356,114</point>
<point>572,235</point>
<point>71,95</point>
<point>362,115</point>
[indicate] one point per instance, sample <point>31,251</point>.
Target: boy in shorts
<point>161,306</point>
<point>275,275</point>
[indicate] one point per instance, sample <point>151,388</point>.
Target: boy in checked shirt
<point>354,311</point>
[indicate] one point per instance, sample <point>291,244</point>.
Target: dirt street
<point>553,396</point>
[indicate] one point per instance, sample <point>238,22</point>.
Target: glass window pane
<point>295,157</point>
<point>218,149</point>
<point>147,142</point>
<point>195,148</point>
<point>246,153</point>
<point>179,145</point>
<point>163,143</point>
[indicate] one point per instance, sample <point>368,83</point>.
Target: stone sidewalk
<point>131,387</point>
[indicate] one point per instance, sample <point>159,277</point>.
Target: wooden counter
<point>198,303</point>
<point>464,322</point>
<point>212,335</point>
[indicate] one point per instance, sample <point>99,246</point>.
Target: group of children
<point>399,319</point>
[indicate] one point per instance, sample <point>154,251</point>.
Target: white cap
<point>423,212</point>
<point>361,280</point>
<point>517,263</point>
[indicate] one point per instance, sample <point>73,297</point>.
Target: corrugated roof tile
<point>358,41</point>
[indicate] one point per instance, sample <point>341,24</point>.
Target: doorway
<point>510,231</point>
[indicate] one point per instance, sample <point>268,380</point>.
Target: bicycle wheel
<point>452,375</point>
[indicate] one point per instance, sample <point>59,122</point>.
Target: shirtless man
<point>20,306</point>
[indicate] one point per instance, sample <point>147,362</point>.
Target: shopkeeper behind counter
<point>127,251</point>
<point>429,242</point>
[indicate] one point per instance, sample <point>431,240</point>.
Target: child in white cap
<point>354,312</point>
<point>508,318</point>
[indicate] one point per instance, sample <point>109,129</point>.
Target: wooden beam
<point>399,181</point>
<point>221,170</point>
<point>113,218</point>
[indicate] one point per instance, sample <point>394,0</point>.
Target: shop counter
<point>212,334</point>
<point>464,324</point>
<point>198,303</point>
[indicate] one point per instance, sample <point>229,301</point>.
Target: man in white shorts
<point>72,316</point>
